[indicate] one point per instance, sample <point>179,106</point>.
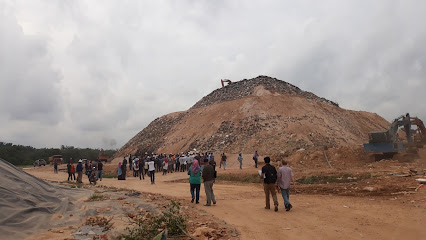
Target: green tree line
<point>26,155</point>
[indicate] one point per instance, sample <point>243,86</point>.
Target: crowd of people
<point>90,168</point>
<point>197,166</point>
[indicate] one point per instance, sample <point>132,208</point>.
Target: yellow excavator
<point>387,143</point>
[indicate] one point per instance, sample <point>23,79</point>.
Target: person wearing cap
<point>269,176</point>
<point>79,171</point>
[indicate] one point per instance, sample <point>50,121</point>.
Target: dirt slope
<point>269,115</point>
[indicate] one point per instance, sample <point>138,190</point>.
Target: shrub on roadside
<point>150,225</point>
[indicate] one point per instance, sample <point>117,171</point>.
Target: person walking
<point>80,171</point>
<point>208,178</point>
<point>240,159</point>
<point>212,163</point>
<point>151,170</point>
<point>255,158</point>
<point>195,181</point>
<point>285,177</point>
<point>269,176</point>
<point>100,170</point>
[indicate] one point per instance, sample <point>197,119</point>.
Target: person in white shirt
<point>151,170</point>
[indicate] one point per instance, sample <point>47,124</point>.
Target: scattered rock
<point>370,189</point>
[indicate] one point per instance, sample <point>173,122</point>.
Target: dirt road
<point>313,216</point>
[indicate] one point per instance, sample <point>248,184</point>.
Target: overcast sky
<point>95,73</point>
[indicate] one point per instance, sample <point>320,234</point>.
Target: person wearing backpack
<point>269,176</point>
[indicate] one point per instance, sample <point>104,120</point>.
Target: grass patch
<point>147,226</point>
<point>324,179</point>
<point>108,176</point>
<point>96,197</point>
<point>250,178</point>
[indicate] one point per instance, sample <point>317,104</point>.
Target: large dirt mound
<point>263,114</point>
<point>28,204</point>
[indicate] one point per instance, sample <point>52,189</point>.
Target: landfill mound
<point>247,87</point>
<point>263,114</point>
<point>28,204</point>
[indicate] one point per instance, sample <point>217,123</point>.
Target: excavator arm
<point>224,81</point>
<point>421,129</point>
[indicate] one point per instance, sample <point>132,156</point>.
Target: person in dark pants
<point>80,171</point>
<point>124,168</point>
<point>208,177</point>
<point>269,176</point>
<point>255,158</point>
<point>141,168</point>
<point>151,170</point>
<point>177,163</point>
<point>69,171</point>
<point>100,169</point>
<point>195,181</point>
<point>55,166</point>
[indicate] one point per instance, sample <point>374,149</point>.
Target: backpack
<point>72,168</point>
<point>272,177</point>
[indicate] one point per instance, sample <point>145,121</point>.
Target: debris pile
<point>246,87</point>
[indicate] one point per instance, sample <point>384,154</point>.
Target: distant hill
<point>262,113</point>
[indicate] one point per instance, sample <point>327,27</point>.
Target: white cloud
<point>91,73</point>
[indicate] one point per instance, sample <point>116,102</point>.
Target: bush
<point>149,225</point>
<point>343,178</point>
<point>245,178</point>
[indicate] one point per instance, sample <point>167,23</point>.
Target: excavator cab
<point>388,143</point>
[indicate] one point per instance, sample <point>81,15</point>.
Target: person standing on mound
<point>195,181</point>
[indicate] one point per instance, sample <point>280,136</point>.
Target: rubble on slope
<point>246,87</point>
